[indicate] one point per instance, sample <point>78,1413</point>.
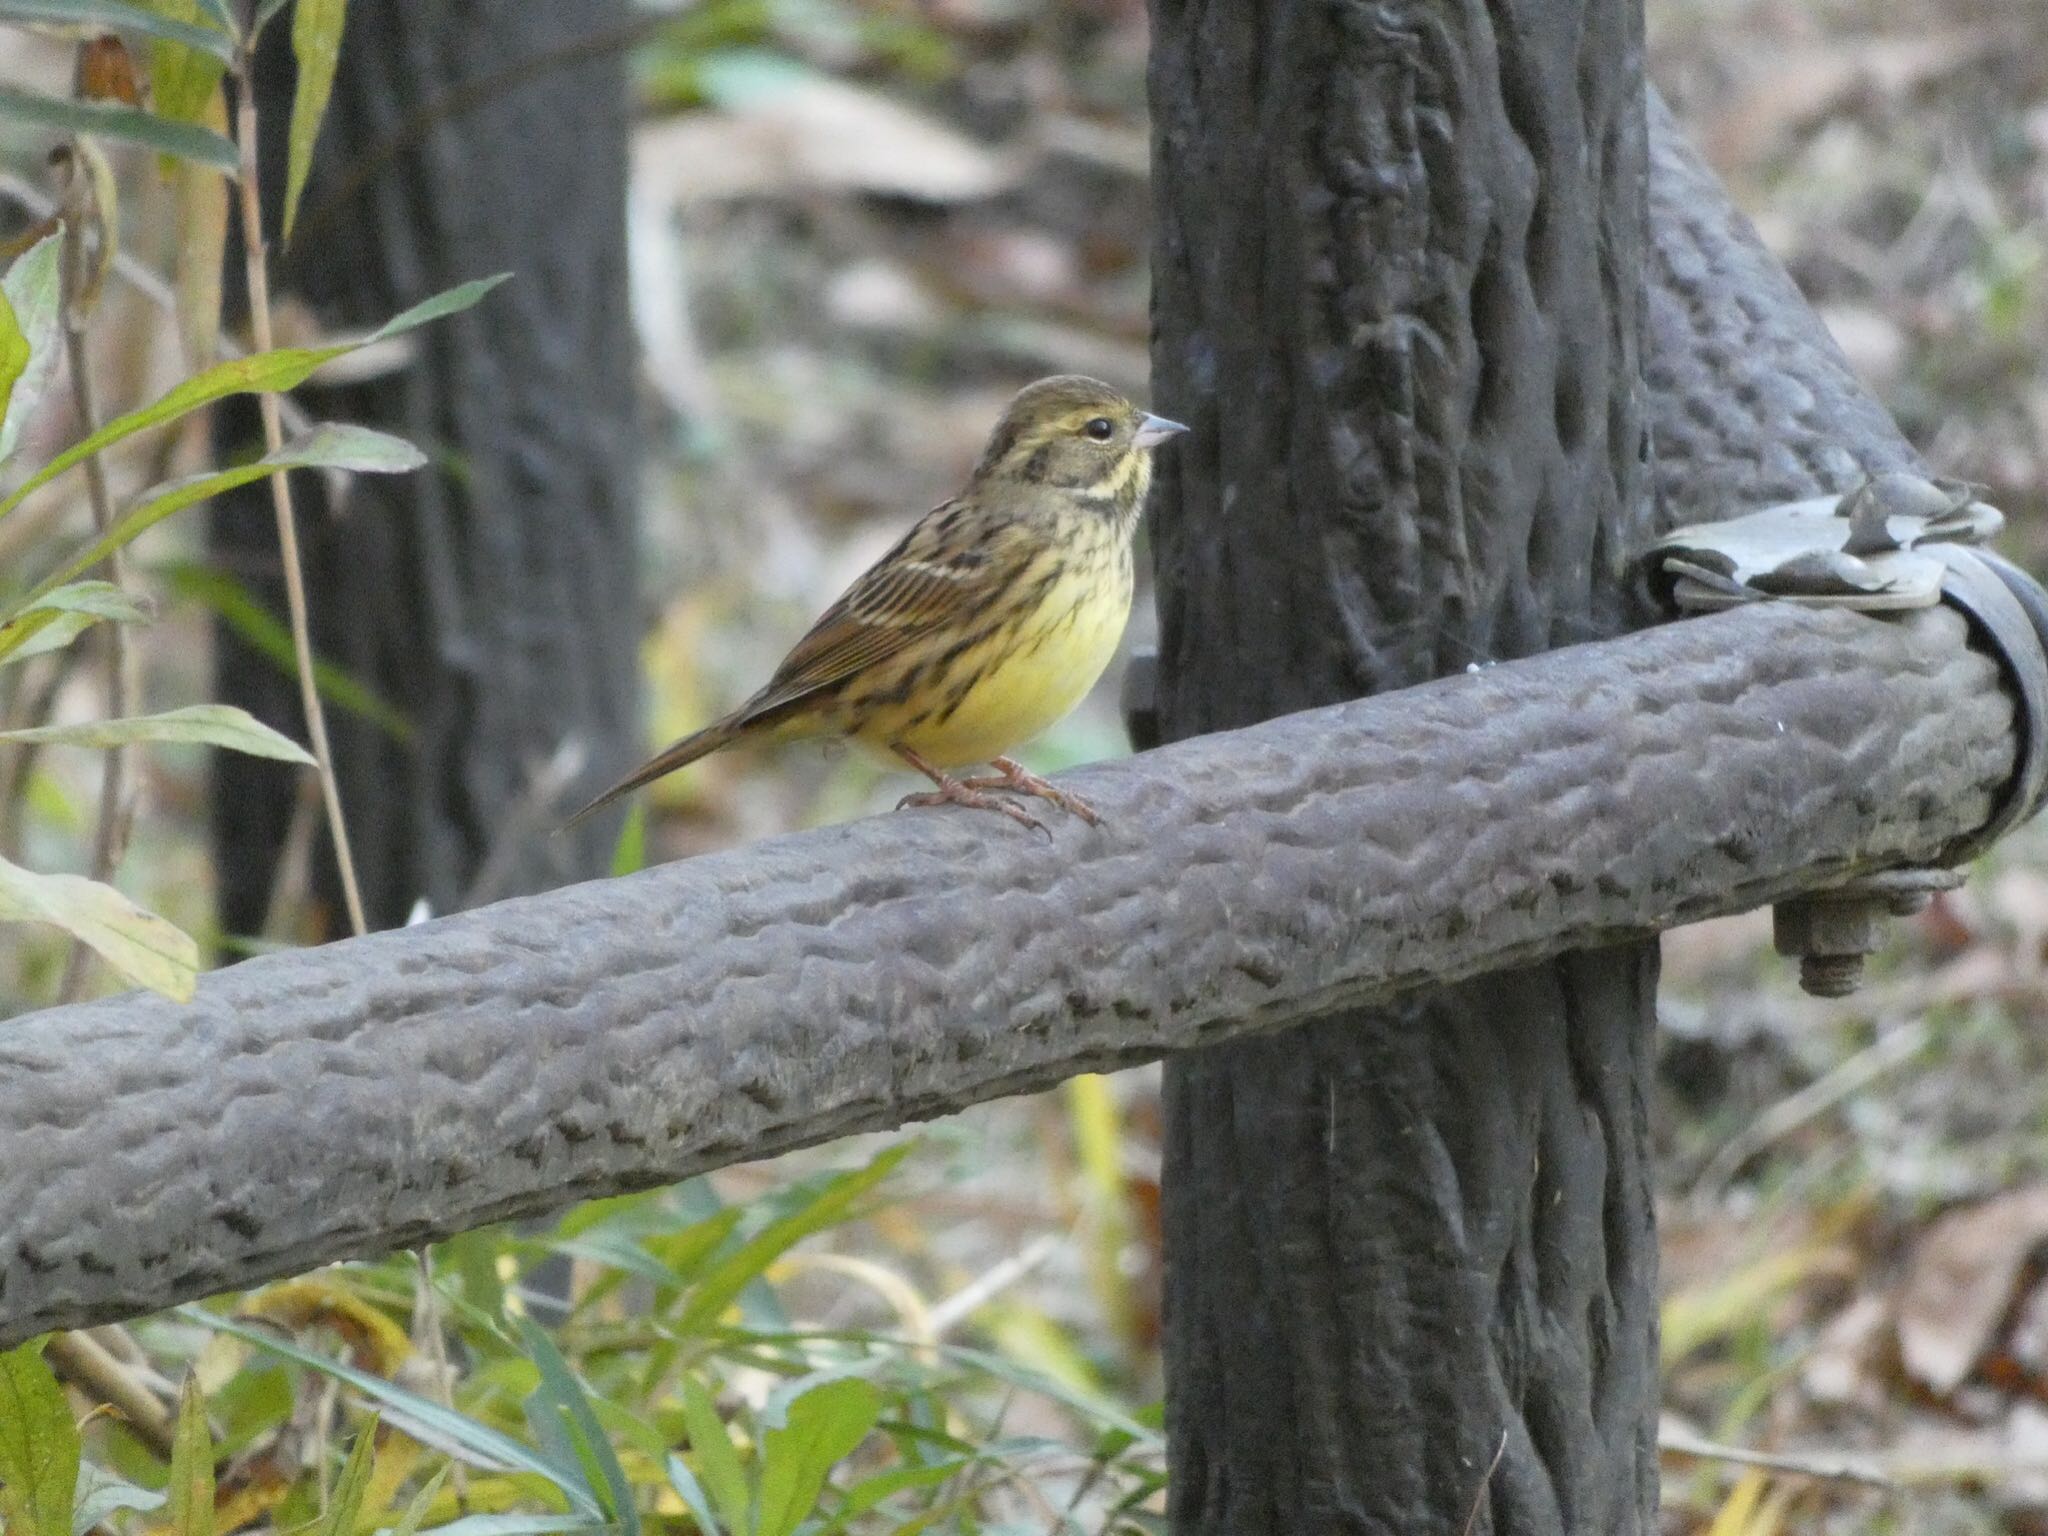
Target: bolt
<point>1830,975</point>
<point>1830,932</point>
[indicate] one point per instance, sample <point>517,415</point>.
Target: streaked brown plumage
<point>986,623</point>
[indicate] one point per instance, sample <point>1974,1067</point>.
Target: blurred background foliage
<point>856,226</point>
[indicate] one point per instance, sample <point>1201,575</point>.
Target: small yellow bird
<point>987,622</point>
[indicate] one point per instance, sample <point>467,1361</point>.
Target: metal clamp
<point>1895,543</point>
<point>1877,549</point>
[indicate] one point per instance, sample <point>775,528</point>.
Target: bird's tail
<point>720,733</point>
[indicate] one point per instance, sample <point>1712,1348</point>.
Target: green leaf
<point>687,1488</point>
<point>34,287</point>
<point>328,446</point>
<point>122,14</point>
<point>560,1396</point>
<point>416,1512</point>
<point>39,1450</point>
<point>316,44</point>
<point>191,1484</point>
<point>425,1420</point>
<point>235,606</point>
<point>140,945</point>
<point>870,1491</point>
<point>100,1493</point>
<point>60,615</point>
<point>14,352</point>
<point>205,725</point>
<point>263,373</point>
<point>518,1525</point>
<point>126,125</point>
<point>345,1508</point>
<point>718,1461</point>
<point>825,1424</point>
<point>828,1208</point>
<point>1088,1405</point>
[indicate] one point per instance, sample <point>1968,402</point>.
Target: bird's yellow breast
<point>1026,675</point>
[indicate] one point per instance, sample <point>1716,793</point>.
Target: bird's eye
<point>1102,429</point>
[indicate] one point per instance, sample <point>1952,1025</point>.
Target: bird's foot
<point>1013,775</point>
<point>959,792</point>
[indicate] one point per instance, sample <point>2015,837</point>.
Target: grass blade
<point>419,1417</point>
<point>563,1394</point>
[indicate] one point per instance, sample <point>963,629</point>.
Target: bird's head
<point>1080,436</point>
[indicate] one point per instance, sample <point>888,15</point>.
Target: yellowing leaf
<point>136,942</point>
<point>316,44</point>
<point>1736,1517</point>
<point>376,1341</point>
<point>105,214</point>
<point>38,1446</point>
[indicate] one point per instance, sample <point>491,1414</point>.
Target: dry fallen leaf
<point>1846,1367</point>
<point>1961,1283</point>
<point>815,135</point>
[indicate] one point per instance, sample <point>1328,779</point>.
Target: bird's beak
<point>1154,430</point>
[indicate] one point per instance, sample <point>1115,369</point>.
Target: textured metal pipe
<point>353,1098</point>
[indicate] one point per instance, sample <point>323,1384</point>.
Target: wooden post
<point>490,599</point>
<point>1411,1259</point>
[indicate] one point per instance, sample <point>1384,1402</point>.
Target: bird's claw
<point>959,792</point>
<point>1015,776</point>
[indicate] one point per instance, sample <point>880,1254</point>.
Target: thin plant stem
<point>254,253</point>
<point>110,835</point>
<point>82,1359</point>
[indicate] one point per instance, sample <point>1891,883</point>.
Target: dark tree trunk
<point>1398,295</point>
<point>489,599</point>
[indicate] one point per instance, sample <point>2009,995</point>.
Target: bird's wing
<point>943,572</point>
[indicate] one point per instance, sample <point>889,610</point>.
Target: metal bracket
<point>1876,549</point>
<point>1896,543</point>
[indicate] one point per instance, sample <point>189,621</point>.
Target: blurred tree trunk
<point>1398,296</point>
<point>490,599</point>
